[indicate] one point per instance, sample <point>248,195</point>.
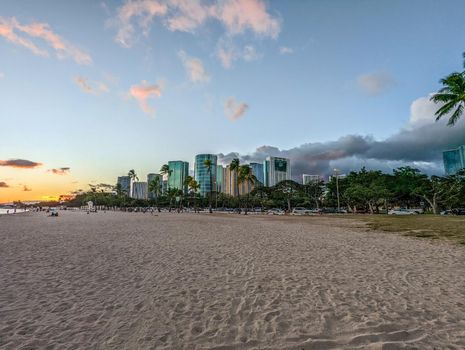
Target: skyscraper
<point>202,175</point>
<point>257,170</point>
<point>276,170</point>
<point>179,171</point>
<point>150,178</point>
<point>219,178</point>
<point>125,184</point>
<point>311,178</point>
<point>454,160</point>
<point>139,190</point>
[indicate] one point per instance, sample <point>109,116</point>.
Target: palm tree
<point>172,193</point>
<point>234,167</point>
<point>246,176</point>
<point>452,96</point>
<point>208,164</point>
<point>155,187</point>
<point>186,183</point>
<point>133,177</point>
<point>194,186</point>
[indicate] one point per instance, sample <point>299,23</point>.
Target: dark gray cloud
<point>3,184</point>
<point>19,163</point>
<point>420,146</point>
<point>60,171</point>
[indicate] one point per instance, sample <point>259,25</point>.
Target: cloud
<point>236,16</point>
<point>235,110</point>
<point>21,34</point>
<point>420,145</point>
<point>284,50</point>
<point>227,53</point>
<point>26,189</point>
<point>143,92</point>
<point>194,68</point>
<point>2,75</point>
<point>91,87</point>
<point>375,83</point>
<point>142,10</point>
<point>20,163</point>
<point>3,184</point>
<point>60,171</point>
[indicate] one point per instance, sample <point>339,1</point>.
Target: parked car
<point>402,211</point>
<point>275,211</point>
<point>301,211</point>
<point>458,211</point>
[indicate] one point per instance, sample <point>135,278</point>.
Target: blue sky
<point>301,72</point>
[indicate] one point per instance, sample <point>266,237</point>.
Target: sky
<point>91,89</point>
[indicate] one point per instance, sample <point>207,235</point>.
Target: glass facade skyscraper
<point>203,176</point>
<point>257,170</point>
<point>150,178</point>
<point>219,178</point>
<point>125,183</point>
<point>179,171</point>
<point>276,170</point>
<point>454,160</point>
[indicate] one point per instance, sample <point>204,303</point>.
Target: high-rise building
<point>454,160</point>
<point>257,170</point>
<point>229,182</point>
<point>306,178</point>
<point>150,178</point>
<point>125,184</point>
<point>139,190</point>
<point>202,175</point>
<point>219,178</point>
<point>276,170</point>
<point>179,171</point>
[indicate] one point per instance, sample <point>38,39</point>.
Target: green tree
<point>208,164</point>
<point>288,188</point>
<point>245,175</point>
<point>234,169</point>
<point>155,188</point>
<point>451,96</point>
<point>194,187</point>
<point>314,190</point>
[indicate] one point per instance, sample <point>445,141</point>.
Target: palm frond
<point>456,115</point>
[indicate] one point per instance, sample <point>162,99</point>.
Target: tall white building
<point>139,190</point>
<point>276,170</point>
<point>306,178</point>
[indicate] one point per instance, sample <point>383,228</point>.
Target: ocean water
<point>5,210</point>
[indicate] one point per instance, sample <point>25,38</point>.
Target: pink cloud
<point>144,11</point>
<point>237,16</point>
<point>63,49</point>
<point>91,87</point>
<point>235,110</point>
<point>142,93</point>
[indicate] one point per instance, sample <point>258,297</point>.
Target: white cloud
<point>375,83</point>
<point>235,110</point>
<point>250,53</point>
<point>422,112</point>
<point>227,53</point>
<point>2,75</point>
<point>284,50</point>
<point>194,68</point>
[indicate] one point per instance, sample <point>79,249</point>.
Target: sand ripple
<point>136,281</point>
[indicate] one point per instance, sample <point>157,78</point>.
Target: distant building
<point>454,160</point>
<point>306,178</point>
<point>219,178</point>
<point>125,183</point>
<point>276,170</point>
<point>164,186</point>
<point>139,190</point>
<point>179,171</point>
<point>150,178</point>
<point>231,187</point>
<point>202,175</point>
<point>257,170</point>
<point>340,176</point>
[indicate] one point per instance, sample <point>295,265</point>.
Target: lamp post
<point>336,173</point>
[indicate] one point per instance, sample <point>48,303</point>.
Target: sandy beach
<point>186,281</point>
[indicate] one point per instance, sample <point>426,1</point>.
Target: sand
<point>187,281</point>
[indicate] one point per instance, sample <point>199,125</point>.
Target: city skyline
<point>90,90</point>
